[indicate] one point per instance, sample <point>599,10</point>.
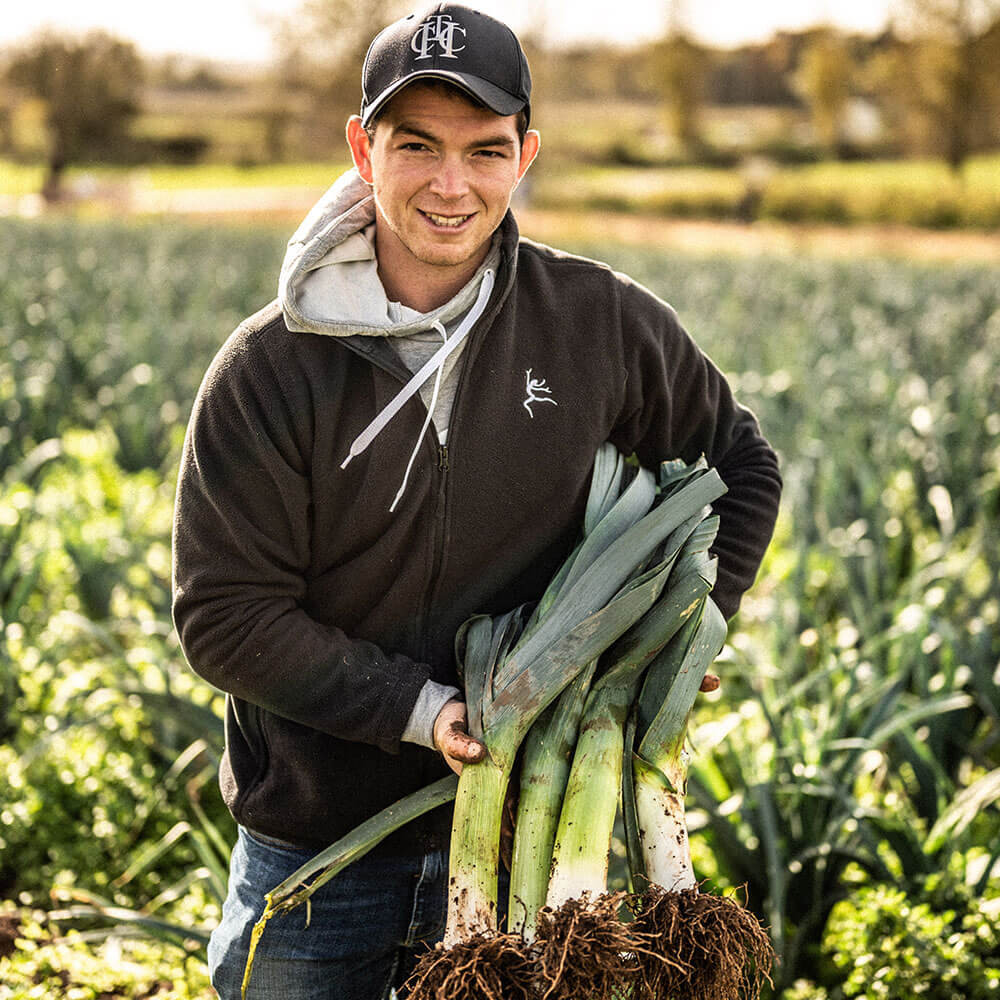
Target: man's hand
<point>451,737</point>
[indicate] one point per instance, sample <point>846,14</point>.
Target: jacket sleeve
<point>677,404</point>
<point>241,547</point>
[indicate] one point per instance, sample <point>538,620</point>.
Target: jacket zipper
<point>433,580</point>
<point>443,466</point>
<point>437,549</point>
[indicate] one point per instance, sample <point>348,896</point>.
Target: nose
<point>449,181</point>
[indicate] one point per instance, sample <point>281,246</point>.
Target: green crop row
<point>115,324</point>
<point>846,775</point>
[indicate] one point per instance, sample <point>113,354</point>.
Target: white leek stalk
<point>599,598</point>
<point>698,945</point>
<point>656,829</point>
<point>580,857</point>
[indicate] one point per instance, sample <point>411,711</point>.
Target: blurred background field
<point>836,255</point>
<point>921,193</point>
<point>826,123</point>
<point>846,778</point>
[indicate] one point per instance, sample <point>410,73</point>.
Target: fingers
<point>452,739</point>
<point>457,743</point>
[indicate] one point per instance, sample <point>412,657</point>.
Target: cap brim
<point>492,96</point>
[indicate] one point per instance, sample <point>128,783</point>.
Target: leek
<point>549,748</point>
<point>580,856</point>
<point>299,887</point>
<point>583,947</point>
<point>631,593</point>
<point>545,768</point>
<point>600,598</point>
<point>613,578</point>
<point>699,945</point>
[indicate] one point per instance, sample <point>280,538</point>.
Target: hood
<point>329,281</point>
<point>329,284</point>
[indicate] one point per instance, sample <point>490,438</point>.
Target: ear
<point>529,150</point>
<point>360,144</point>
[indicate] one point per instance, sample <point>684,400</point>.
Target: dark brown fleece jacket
<point>322,614</point>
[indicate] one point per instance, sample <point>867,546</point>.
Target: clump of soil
<point>707,947</point>
<point>583,949</point>
<point>686,945</point>
<point>492,966</point>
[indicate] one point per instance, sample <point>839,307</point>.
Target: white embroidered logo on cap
<point>440,31</point>
<point>534,386</point>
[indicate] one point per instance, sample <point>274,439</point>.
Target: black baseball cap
<point>450,42</point>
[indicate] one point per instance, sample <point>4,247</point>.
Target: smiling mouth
<point>448,221</point>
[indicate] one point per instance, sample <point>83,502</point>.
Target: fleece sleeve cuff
<point>432,698</point>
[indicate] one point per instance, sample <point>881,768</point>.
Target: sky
<point>237,30</point>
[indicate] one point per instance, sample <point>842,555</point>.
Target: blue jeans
<point>366,928</point>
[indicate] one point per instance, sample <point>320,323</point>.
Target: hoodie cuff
<point>432,698</point>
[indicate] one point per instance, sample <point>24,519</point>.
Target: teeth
<point>446,220</point>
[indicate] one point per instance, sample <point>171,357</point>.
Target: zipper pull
<point>443,457</point>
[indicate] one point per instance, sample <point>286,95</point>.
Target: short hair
<point>452,90</point>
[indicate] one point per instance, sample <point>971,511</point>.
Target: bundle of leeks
<point>621,726</point>
<point>639,577</point>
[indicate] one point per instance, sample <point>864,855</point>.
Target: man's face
<point>443,172</point>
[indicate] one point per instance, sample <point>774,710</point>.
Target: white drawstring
<point>427,420</point>
<point>434,365</point>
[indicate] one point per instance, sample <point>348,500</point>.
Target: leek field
<point>846,776</point>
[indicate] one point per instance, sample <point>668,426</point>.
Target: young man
<point>403,439</point>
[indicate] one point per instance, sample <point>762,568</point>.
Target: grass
<point>227,175</point>
<point>18,179</point>
<point>914,192</point>
<point>921,192</point>
<point>677,191</point>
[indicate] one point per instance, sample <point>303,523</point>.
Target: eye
<point>490,154</point>
<point>413,147</point>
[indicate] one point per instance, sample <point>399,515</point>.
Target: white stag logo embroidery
<point>535,386</point>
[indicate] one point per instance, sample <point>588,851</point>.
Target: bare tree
<point>945,71</point>
<point>321,49</point>
<point>824,80</point>
<point>91,89</point>
<point>681,67</point>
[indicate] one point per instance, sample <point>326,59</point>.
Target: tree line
<point>933,77</point>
